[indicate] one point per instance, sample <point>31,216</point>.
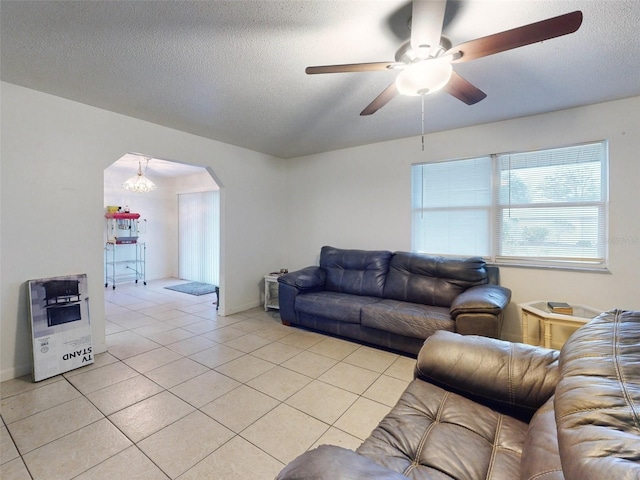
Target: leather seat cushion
<point>408,319</point>
<point>333,305</point>
<point>541,454</point>
<point>435,434</point>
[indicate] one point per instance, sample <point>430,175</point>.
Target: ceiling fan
<point>425,61</point>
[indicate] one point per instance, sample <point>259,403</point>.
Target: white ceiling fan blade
<point>426,26</point>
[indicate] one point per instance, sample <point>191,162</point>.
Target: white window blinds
<point>541,208</point>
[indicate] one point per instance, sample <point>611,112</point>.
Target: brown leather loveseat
<point>482,408</point>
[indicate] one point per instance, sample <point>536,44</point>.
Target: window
<point>540,208</point>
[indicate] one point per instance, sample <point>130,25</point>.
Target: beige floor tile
<point>124,316</point>
<point>279,382</point>
<point>171,336</point>
<point>333,436</point>
<point>276,352</point>
<point>198,307</point>
<point>14,470</point>
<point>124,394</point>
<point>168,314</point>
<point>184,320</point>
<point>274,332</point>
<point>240,407</point>
<point>301,338</point>
<point>134,321</point>
<point>145,362</point>
<point>191,345</point>
<point>100,360</point>
<point>176,372</point>
<point>245,368</point>
<point>235,460</point>
<point>36,400</point>
<point>310,364</point>
<point>216,356</point>
<point>23,384</point>
<point>128,344</point>
<point>153,329</point>
<point>111,328</point>
<point>248,343</point>
<point>322,401</point>
<point>151,415</point>
<point>44,427</point>
<point>181,445</point>
<point>403,368</point>
<point>371,359</point>
<point>362,417</point>
<point>334,348</point>
<point>350,377</point>
<point>224,334</point>
<point>386,390</point>
<point>8,450</point>
<point>100,378</point>
<point>205,388</point>
<point>285,432</point>
<point>90,445</point>
<point>251,325</point>
<point>128,464</point>
<point>201,327</point>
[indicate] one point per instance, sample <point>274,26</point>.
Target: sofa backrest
<point>597,400</point>
<point>432,280</point>
<point>357,272</point>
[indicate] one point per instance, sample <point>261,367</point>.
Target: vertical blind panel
<point>199,236</point>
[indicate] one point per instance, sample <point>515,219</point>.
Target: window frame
<point>495,234</point>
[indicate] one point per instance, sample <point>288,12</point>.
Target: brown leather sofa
<point>482,408</point>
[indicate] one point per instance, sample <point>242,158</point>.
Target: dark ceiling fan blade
<point>518,37</point>
<point>350,67</point>
<point>427,17</point>
<point>463,90</point>
<point>381,100</point>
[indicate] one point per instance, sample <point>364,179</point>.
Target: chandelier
<point>139,183</point>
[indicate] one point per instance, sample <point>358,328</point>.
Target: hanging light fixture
<point>140,183</point>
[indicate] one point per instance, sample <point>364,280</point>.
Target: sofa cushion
<point>540,454</point>
<point>358,272</point>
<point>333,305</point>
<point>329,462</point>
<point>597,399</point>
<point>435,434</point>
<point>408,319</point>
<point>432,280</point>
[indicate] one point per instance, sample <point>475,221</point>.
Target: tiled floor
<point>183,393</point>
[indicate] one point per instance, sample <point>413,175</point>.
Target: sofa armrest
<point>307,278</point>
<point>487,299</point>
<point>328,462</point>
<point>513,378</point>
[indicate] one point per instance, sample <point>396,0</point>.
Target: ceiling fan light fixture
<point>424,77</point>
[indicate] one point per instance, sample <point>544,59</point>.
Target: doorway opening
<point>179,223</point>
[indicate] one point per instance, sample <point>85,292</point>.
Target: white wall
<point>54,153</point>
<point>360,198</point>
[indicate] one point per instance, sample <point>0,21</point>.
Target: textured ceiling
<point>234,70</point>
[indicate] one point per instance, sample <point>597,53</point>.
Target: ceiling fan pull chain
<point>422,96</point>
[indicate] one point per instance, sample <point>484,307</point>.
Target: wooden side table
<point>271,291</point>
<point>540,312</point>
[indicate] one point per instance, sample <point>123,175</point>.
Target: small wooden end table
<point>539,311</point>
